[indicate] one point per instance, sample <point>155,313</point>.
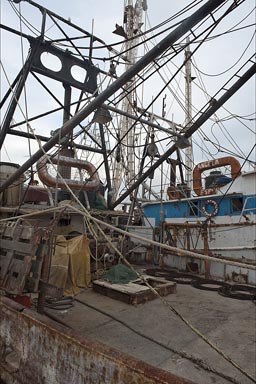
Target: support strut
<point>198,123</point>
<point>163,45</point>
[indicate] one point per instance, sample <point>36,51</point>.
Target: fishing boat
<point>218,220</point>
<point>115,215</point>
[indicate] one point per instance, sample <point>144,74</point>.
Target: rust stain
<point>62,356</point>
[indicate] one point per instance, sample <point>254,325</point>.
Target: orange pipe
<point>50,181</point>
<point>201,167</point>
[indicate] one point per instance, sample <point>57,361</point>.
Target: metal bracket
<point>67,62</point>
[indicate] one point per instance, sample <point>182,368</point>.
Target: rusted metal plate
<point>35,349</point>
<point>135,292</point>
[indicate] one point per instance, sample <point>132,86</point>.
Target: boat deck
<point>154,334</point>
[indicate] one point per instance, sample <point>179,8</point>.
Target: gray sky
<point>214,57</point>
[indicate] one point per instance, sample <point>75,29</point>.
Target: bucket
<point>12,195</point>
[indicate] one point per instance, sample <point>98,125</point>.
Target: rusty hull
<point>35,349</point>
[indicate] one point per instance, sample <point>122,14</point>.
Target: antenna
<point>188,119</point>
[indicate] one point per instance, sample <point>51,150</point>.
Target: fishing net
<point>120,274</point>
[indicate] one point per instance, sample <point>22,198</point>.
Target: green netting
<point>100,202</point>
<point>119,274</point>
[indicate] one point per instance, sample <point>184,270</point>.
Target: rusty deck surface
<point>35,349</point>
<point>152,333</point>
<point>110,341</point>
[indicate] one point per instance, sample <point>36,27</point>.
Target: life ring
<point>213,212</point>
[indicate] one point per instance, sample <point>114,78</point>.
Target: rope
<point>183,354</point>
<point>176,312</point>
<point>180,252</point>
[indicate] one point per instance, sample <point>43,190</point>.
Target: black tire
<point>178,277</point>
<point>208,285</point>
<point>185,280</point>
<point>157,272</point>
<point>239,292</point>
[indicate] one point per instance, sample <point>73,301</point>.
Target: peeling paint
<point>50,353</point>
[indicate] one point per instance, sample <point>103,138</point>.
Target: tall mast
<point>132,22</point>
<point>188,113</point>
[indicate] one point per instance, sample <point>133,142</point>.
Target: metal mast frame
<point>164,44</point>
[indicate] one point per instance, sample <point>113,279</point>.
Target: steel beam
<point>157,50</point>
<point>46,139</point>
<point>142,121</point>
<point>11,87</point>
<point>106,164</point>
<point>67,102</point>
<point>16,95</point>
<point>199,122</point>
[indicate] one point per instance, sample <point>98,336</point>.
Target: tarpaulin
<point>70,267</point>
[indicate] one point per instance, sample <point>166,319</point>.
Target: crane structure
<point>124,166</point>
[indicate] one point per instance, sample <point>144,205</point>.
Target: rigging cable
<point>86,213</point>
<point>230,9</point>
<point>167,29</point>
<point>25,98</point>
<point>211,29</point>
<point>108,46</point>
<point>232,66</point>
<point>215,117</point>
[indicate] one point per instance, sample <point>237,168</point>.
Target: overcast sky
<point>214,57</point>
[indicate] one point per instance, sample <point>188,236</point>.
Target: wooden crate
<point>135,292</point>
<point>21,257</point>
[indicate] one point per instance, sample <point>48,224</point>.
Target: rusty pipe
<point>149,57</point>
<point>87,185</point>
<point>201,167</point>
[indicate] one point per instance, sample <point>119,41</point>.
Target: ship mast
<point>188,115</point>
<point>126,161</point>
